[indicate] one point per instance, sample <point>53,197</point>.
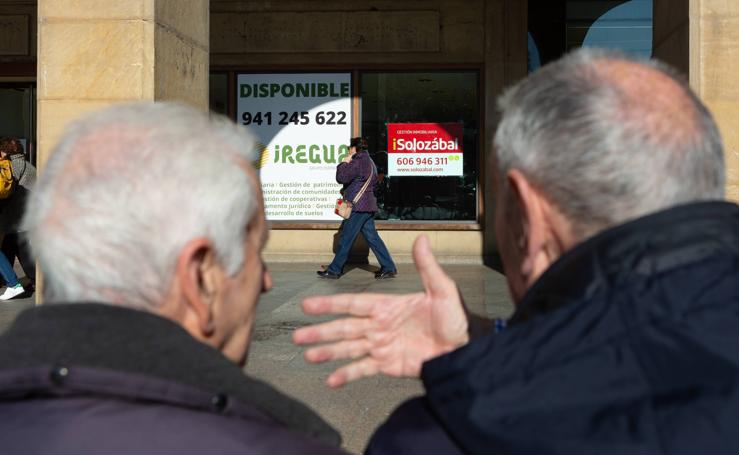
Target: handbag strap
<point>364,187</point>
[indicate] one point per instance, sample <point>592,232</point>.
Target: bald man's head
<point>607,138</point>
<point>650,97</point>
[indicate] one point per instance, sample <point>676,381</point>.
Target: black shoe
<point>327,275</point>
<point>384,274</point>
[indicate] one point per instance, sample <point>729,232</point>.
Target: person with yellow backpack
<point>8,146</point>
<point>7,183</point>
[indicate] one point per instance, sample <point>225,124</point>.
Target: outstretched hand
<point>390,334</point>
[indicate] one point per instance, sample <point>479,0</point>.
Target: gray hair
<point>602,155</point>
<point>123,192</point>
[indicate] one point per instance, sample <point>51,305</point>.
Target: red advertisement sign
<point>424,137</point>
<point>425,149</point>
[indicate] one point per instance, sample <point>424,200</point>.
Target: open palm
<point>384,333</point>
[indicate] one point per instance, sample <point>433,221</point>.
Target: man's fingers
<point>353,371</point>
<point>339,329</point>
<point>354,304</point>
<point>338,351</point>
<point>434,279</point>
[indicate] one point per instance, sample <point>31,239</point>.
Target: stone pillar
<point>93,53</point>
<point>714,65</point>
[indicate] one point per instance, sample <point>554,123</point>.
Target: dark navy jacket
<point>98,379</point>
<point>353,175</point>
<point>628,344</point>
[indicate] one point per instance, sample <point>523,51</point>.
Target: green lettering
<point>322,90</point>
<point>343,151</point>
<point>245,90</point>
<point>313,153</point>
<point>263,90</point>
<point>300,154</point>
<point>287,152</point>
<point>344,89</point>
<point>329,155</point>
<point>312,156</point>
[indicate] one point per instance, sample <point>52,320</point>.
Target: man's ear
<point>534,232</point>
<point>198,273</point>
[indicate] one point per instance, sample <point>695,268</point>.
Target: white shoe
<point>12,292</point>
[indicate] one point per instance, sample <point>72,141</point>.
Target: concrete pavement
<point>357,409</point>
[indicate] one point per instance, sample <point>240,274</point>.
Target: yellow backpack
<point>6,178</point>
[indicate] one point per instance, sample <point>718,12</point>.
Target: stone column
<point>93,53</point>
<point>714,66</point>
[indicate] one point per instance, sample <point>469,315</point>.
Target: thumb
<point>435,281</point>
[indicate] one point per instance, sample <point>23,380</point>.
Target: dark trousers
<point>363,222</point>
<point>16,246</point>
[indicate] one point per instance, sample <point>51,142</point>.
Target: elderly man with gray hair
<point>148,224</point>
<point>622,260</point>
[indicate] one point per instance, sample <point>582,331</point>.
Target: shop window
<point>417,98</point>
<point>556,27</point>
<point>626,27</point>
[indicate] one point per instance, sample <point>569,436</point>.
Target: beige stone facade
<point>714,70</point>
<point>93,53</point>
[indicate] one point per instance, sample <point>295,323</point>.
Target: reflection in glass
<point>626,27</point>
<point>558,26</point>
<point>423,97</point>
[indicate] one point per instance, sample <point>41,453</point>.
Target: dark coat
<point>353,175</point>
<point>93,378</point>
<point>628,344</point>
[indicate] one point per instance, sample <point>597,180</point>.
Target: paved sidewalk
<point>9,309</point>
<point>358,408</point>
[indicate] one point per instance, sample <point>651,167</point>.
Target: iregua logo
<point>415,145</point>
<point>310,153</point>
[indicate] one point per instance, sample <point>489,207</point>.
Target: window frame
<point>356,72</point>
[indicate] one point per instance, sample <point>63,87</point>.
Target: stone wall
<point>298,33</point>
<point>714,65</point>
<point>90,57</point>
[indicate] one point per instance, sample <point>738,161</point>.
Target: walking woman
<point>353,172</point>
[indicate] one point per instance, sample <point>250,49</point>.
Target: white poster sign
<point>303,122</point>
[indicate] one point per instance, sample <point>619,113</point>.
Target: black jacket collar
<point>126,340</point>
<point>621,321</point>
<point>635,250</point>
